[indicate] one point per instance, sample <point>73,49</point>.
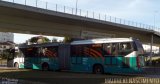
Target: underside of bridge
<point>24,19</point>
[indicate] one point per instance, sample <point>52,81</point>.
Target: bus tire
<point>98,69</point>
<point>45,66</point>
<point>16,65</point>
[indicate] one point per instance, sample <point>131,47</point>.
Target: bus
<point>106,55</point>
<point>37,56</point>
<point>18,59</point>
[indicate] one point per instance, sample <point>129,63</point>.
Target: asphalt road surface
<point>27,76</point>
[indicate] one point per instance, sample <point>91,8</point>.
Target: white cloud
<point>134,3</point>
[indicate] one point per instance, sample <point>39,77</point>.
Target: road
<point>27,76</point>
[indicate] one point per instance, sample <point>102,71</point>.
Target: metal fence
<point>83,13</point>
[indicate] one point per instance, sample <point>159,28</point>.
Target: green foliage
<point>154,63</point>
<point>67,39</point>
<point>5,54</point>
<point>45,39</point>
<point>35,39</point>
<point>54,40</point>
<point>156,60</point>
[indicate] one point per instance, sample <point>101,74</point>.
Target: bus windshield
<point>139,47</point>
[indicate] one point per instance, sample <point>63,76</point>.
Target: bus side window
<point>124,48</point>
<point>50,51</point>
<point>86,50</point>
<point>107,49</point>
<point>79,51</point>
<point>76,50</point>
<point>40,51</point>
<point>95,50</point>
<point>73,51</point>
<point>35,52</point>
<point>31,52</point>
<point>114,49</point>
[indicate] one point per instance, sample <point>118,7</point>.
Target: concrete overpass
<point>31,20</point>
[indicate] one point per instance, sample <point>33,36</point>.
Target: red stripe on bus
<point>98,53</point>
<point>53,53</point>
<point>88,51</point>
<point>49,53</point>
<point>91,54</point>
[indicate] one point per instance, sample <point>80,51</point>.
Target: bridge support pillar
<point>151,48</point>
<point>159,50</point>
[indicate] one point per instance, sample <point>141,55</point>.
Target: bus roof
<point>102,40</point>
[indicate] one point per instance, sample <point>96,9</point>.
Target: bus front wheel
<point>98,69</point>
<point>45,67</point>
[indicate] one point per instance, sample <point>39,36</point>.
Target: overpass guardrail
<point>83,13</point>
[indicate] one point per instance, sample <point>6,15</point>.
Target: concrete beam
<point>26,19</point>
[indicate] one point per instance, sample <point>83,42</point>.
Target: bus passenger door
<point>76,58</point>
<point>64,56</point>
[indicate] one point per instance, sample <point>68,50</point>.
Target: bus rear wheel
<point>45,67</point>
<point>98,69</point>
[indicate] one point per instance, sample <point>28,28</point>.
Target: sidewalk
<point>151,67</point>
<point>4,67</point>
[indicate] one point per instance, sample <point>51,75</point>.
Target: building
<point>6,36</point>
<point>6,41</point>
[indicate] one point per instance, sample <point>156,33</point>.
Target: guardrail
<point>83,13</point>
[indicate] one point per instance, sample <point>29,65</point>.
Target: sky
<point>142,11</point>
<point>21,38</point>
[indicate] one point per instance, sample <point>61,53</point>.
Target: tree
<point>67,39</point>
<point>39,39</point>
<point>34,40</point>
<point>54,40</point>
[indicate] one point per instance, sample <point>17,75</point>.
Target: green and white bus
<point>108,55</point>
<point>38,56</point>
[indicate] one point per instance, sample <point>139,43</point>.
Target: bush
<point>5,54</point>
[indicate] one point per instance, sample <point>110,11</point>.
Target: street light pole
<point>155,18</point>
<point>76,6</point>
<point>151,45</point>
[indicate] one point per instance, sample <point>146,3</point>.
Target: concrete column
<point>151,45</point>
<point>159,50</point>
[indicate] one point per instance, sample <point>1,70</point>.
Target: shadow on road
<point>50,77</point>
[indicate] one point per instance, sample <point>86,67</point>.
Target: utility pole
<point>155,12</point>
<point>76,6</point>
